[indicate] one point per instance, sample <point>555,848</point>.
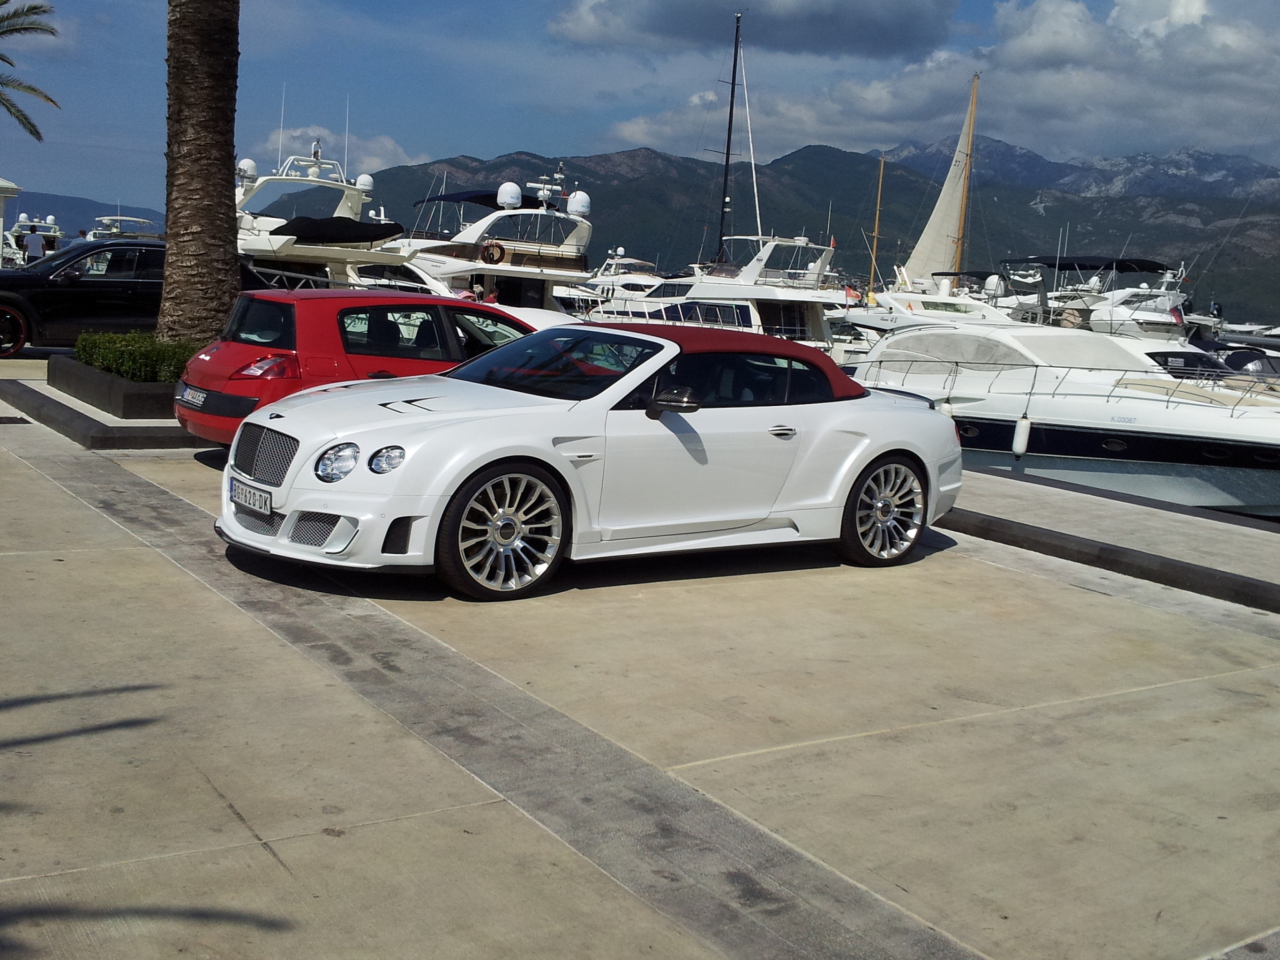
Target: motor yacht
<point>12,253</point>
<point>517,254</point>
<point>1071,405</point>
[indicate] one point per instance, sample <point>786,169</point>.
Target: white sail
<point>936,250</point>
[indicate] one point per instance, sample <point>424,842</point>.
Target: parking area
<point>1009,755</point>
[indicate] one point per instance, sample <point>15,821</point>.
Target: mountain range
<point>1218,214</point>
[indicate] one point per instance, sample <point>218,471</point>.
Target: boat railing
<point>1235,392</point>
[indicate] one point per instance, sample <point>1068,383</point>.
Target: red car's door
<point>395,340</point>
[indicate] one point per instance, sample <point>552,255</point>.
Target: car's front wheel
<point>14,331</point>
<point>504,533</point>
<point>884,516</point>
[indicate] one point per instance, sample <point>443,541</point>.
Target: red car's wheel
<point>14,330</point>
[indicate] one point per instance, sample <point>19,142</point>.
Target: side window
<point>118,263</point>
<point>729,379</point>
<point>150,264</point>
<point>479,331</point>
<point>391,331</point>
<point>808,385</point>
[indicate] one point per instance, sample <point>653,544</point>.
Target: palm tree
<point>201,273</point>
<point>13,23</point>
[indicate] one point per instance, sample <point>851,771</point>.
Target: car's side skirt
<point>802,525</point>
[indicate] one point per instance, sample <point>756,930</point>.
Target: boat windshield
<point>1088,350</point>
<point>564,363</point>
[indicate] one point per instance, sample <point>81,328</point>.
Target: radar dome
<point>509,196</point>
<point>23,218</point>
<point>579,204</point>
<point>364,182</point>
<point>247,169</point>
<point>49,220</point>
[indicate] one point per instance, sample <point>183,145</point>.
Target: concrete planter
<point>110,393</point>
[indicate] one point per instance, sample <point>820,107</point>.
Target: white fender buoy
<point>1021,434</point>
<point>945,407</point>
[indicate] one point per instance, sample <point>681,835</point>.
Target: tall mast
<point>728,139</point>
<point>968,171</point>
<point>875,237</point>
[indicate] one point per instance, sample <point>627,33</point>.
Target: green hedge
<point>136,356</point>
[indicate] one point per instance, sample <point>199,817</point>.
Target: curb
<point>90,433</point>
<point>1192,577</point>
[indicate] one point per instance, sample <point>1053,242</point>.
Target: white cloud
<point>702,98</point>
<point>1148,75</point>
<point>364,155</point>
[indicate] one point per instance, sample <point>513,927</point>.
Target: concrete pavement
<point>769,754</point>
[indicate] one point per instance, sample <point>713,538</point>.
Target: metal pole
<point>728,140</point>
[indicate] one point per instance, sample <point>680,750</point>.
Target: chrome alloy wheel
<point>890,511</point>
<point>510,532</point>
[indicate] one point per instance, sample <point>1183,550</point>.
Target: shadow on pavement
<point>411,584</point>
<point>17,702</point>
<point>39,914</point>
<point>215,459</point>
<point>129,724</point>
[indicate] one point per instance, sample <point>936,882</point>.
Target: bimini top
<point>336,230</point>
<point>485,198</point>
<point>693,339</point>
<point>1091,264</point>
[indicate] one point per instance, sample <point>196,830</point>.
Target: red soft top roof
<point>693,339</point>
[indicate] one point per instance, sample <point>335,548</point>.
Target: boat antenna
<point>728,140</point>
<point>875,238</point>
<point>280,137</point>
<point>346,136</point>
<point>751,148</point>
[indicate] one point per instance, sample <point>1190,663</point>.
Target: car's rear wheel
<point>884,516</point>
<point>504,533</point>
<point>14,331</point>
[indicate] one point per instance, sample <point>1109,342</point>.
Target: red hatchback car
<point>281,341</point>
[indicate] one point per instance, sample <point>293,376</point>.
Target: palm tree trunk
<point>201,276</point>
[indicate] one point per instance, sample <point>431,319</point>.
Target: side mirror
<point>676,400</point>
<point>70,275</point>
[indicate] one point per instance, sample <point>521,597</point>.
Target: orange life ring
<point>492,252</point>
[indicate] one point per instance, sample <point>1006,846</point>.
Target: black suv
<point>103,285</point>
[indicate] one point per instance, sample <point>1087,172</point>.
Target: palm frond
<point>10,82</point>
<point>4,59</point>
<point>15,111</point>
<point>25,19</point>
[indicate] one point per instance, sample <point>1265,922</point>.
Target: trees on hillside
<point>201,275</point>
<point>16,22</point>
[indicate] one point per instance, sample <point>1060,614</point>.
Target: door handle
<point>381,375</point>
<point>782,432</point>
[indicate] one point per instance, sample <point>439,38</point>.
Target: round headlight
<point>386,459</point>
<point>336,462</point>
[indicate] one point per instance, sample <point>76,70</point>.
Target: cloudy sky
<point>428,79</point>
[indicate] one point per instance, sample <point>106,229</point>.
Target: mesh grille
<point>397,538</point>
<point>313,529</point>
<point>267,526</point>
<point>264,455</point>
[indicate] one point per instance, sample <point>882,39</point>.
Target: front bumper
<point>334,529</point>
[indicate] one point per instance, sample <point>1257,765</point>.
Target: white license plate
<point>256,500</point>
<point>193,396</point>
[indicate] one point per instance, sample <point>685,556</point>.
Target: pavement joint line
<point>802,744</point>
<point>102,549</point>
<point>252,843</point>
<point>646,829</point>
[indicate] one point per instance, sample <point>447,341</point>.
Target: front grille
<point>267,526</point>
<point>264,455</point>
<point>397,538</point>
<point>313,529</point>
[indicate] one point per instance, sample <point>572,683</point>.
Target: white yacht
<point>12,253</point>
<point>116,226</point>
<point>1073,405</point>
<point>515,255</point>
<point>781,287</point>
<point>1099,301</point>
<point>303,250</point>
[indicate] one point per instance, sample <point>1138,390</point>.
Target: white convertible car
<point>590,441</point>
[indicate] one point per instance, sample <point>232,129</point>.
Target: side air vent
<point>397,539</point>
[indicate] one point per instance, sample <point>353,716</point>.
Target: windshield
<point>261,323</point>
<point>57,257</point>
<point>567,363</point>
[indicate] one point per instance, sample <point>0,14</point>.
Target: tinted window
<point>411,333</point>
<point>150,264</point>
<point>1189,363</point>
<point>735,380</point>
<point>567,363</point>
<point>118,263</point>
<point>808,384</point>
<point>263,323</point>
<point>480,330</point>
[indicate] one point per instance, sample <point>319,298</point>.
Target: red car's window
<point>261,323</point>
<point>407,333</point>
<point>479,330</point>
